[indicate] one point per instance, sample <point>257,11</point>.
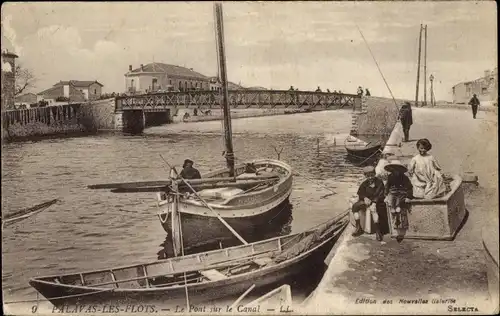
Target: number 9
<point>34,308</point>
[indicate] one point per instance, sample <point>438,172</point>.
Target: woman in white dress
<point>425,172</point>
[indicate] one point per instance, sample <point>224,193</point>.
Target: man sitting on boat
<point>370,195</point>
<point>188,171</point>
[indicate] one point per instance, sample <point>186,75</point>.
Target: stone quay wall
<point>67,119</point>
<point>377,116</point>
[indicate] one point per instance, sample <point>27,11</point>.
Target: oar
<point>197,187</point>
<point>216,214</point>
<point>25,213</point>
<point>164,183</point>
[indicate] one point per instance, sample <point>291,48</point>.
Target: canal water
<point>92,229</point>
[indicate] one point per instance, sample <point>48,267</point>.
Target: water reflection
<point>279,225</point>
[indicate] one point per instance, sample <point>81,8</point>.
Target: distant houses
<point>25,100</point>
<point>215,84</point>
<point>71,91</point>
<point>160,77</point>
<point>486,88</point>
<point>256,88</point>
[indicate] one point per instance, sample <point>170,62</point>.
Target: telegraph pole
<point>425,65</point>
<point>433,101</point>
<point>418,65</point>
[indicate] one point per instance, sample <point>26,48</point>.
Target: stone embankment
<point>423,276</point>
<point>61,120</point>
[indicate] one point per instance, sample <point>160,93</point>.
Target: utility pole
<point>418,65</point>
<point>433,101</point>
<point>425,66</point>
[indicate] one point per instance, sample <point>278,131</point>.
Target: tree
<point>24,79</point>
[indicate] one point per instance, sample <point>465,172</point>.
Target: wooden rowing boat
<point>206,277</point>
<point>244,208</point>
<point>17,216</point>
<point>360,150</point>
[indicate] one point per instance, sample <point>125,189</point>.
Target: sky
<point>272,44</point>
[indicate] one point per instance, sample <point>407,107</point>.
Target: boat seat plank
<point>213,275</point>
<point>263,261</point>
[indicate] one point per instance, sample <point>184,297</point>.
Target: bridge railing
<point>240,99</point>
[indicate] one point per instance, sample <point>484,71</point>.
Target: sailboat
<point>244,196</point>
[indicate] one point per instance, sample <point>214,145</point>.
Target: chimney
<point>129,67</point>
<point>142,67</point>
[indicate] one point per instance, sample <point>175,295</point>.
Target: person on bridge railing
<point>291,88</point>
<point>360,91</point>
<point>318,90</point>
<point>367,93</point>
<point>328,90</point>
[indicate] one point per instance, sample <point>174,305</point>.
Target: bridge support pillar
<point>133,121</point>
<point>157,118</point>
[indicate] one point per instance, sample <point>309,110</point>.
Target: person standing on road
<point>406,118</point>
<point>474,102</point>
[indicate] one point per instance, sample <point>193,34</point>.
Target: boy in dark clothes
<point>370,194</point>
<point>398,187</point>
<point>188,171</point>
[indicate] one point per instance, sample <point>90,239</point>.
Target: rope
<point>61,297</point>
<point>378,150</point>
<point>378,67</point>
<point>315,182</point>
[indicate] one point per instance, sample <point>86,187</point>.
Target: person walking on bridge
<point>360,91</point>
<point>474,102</point>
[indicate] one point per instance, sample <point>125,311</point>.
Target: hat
<point>395,164</point>
<point>368,169</point>
<point>186,162</point>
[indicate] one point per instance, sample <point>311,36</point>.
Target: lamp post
<point>431,79</point>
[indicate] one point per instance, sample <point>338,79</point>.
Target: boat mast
<point>425,65</point>
<point>418,65</point>
<point>225,95</point>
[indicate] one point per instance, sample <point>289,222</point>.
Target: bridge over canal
<point>133,112</point>
<point>238,99</point>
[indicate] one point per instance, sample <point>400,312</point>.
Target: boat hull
<point>198,230</point>
<point>222,292</point>
<point>362,153</point>
<point>246,213</point>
